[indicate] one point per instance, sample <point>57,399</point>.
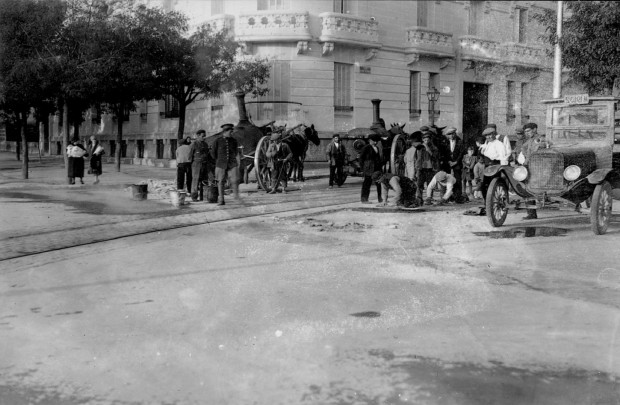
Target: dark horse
<point>298,142</point>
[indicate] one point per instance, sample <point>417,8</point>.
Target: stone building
<point>483,60</point>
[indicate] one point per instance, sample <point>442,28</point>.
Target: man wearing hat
<point>336,157</point>
<point>278,153</point>
<point>456,151</point>
<point>199,157</point>
<point>443,182</point>
<point>370,161</point>
<point>520,136</point>
<point>225,153</point>
<point>493,149</point>
<point>426,163</point>
<point>413,142</point>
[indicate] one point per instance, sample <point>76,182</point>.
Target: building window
<point>171,107</point>
<point>279,85</point>
<point>525,102</point>
<point>511,112</point>
<point>123,148</point>
<point>159,149</point>
<point>112,148</point>
<point>217,7</point>
<point>140,148</point>
<point>126,112</point>
<point>342,87</point>
<point>475,18</point>
<point>422,20</point>
<point>95,113</point>
<point>343,6</point>
<point>173,149</point>
<point>414,95</point>
<point>521,24</point>
<point>273,4</point>
<point>144,107</point>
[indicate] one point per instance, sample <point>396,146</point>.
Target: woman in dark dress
<point>95,151</point>
<point>76,154</point>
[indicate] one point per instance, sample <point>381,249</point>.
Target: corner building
<point>484,59</point>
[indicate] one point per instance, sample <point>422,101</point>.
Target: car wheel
<point>600,211</point>
<point>497,202</point>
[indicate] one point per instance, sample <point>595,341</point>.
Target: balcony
<point>422,41</point>
<point>272,26</point>
<point>479,50</point>
<point>348,29</point>
<point>221,21</point>
<point>522,55</point>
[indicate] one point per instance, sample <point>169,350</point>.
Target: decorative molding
<point>510,70</point>
<point>413,58</point>
<point>468,65</point>
<point>443,63</point>
<point>302,47</point>
<point>328,48</point>
<point>222,21</point>
<point>272,26</point>
<point>371,54</point>
<point>348,29</point>
<point>479,49</point>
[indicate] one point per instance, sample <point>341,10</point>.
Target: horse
<point>299,142</point>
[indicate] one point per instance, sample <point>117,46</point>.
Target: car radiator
<point>546,172</point>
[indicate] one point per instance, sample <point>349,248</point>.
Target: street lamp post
<point>433,97</point>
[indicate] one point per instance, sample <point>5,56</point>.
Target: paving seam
<point>43,243</point>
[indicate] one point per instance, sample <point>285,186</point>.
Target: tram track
<point>50,241</point>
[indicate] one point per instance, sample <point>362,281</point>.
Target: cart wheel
<point>497,202</point>
<point>397,155</point>
<point>600,211</point>
<point>261,164</point>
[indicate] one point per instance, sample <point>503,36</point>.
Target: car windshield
<point>577,134</point>
<point>580,116</point>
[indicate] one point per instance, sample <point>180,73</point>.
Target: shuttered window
<point>342,87</point>
<point>422,20</point>
<point>414,94</point>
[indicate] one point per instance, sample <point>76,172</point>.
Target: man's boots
<point>220,190</point>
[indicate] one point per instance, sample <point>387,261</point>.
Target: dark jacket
<point>425,159</point>
<point>224,152</point>
<point>276,155</point>
<point>336,156</point>
<point>370,161</point>
<point>199,152</point>
<point>456,155</point>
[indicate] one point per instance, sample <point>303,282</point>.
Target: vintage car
<point>581,164</point>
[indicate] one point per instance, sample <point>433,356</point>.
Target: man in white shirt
<point>443,182</point>
<point>494,149</point>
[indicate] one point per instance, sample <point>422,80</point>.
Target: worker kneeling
<point>404,189</point>
<point>444,183</point>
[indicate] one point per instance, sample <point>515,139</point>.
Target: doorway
<point>475,110</point>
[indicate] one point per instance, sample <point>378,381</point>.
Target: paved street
<point>303,298</point>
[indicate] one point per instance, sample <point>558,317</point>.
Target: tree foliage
<point>590,42</point>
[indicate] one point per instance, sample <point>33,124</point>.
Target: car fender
<point>600,175</point>
<point>506,172</point>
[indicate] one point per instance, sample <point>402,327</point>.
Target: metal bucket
<point>177,198</point>
<point>139,191</point>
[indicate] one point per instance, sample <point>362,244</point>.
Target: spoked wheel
<point>261,164</point>
<point>600,211</point>
<point>397,155</point>
<point>497,202</point>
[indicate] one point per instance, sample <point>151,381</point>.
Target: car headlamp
<point>572,172</point>
<point>520,173</point>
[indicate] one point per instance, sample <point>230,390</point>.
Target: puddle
<point>366,314</point>
<point>524,232</point>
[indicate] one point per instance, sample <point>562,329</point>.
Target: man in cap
<point>225,153</point>
<point>199,157</point>
<point>404,189</point>
<point>520,136</point>
<point>370,162</point>
<point>426,163</point>
<point>442,182</point>
<point>413,142</point>
<point>278,153</point>
<point>456,151</point>
<point>336,157</point>
<point>493,149</point>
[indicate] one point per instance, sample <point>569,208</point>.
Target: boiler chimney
<point>376,123</point>
<point>243,114</point>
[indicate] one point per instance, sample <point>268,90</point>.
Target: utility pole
<point>557,62</point>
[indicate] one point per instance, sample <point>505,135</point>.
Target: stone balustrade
<point>427,42</point>
<point>516,54</point>
<point>352,30</point>
<point>267,26</point>
<point>221,21</point>
<point>479,50</point>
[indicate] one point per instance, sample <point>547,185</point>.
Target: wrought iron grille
<point>546,172</point>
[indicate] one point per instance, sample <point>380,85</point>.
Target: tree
<point>590,42</point>
<point>27,28</point>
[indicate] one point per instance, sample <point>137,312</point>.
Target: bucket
<point>177,197</point>
<point>212,193</point>
<point>139,191</point>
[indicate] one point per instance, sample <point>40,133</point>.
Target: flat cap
<point>426,135</point>
<point>449,130</point>
<point>530,125</point>
<point>227,126</point>
<point>491,126</point>
<point>336,135</point>
<point>488,131</point>
<point>441,176</point>
<point>424,128</point>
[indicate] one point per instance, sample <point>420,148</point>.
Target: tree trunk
<point>181,129</point>
<point>65,134</point>
<point>119,135</point>
<point>24,119</point>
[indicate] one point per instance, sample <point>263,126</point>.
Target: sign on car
<point>577,99</point>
